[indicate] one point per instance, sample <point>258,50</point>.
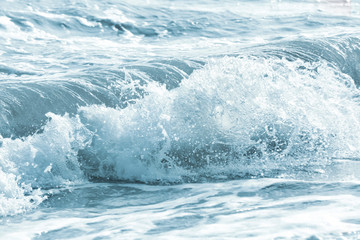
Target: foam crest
<point>43,160</point>
<point>131,143</point>
<point>236,116</point>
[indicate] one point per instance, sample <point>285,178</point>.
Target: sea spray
<point>237,116</point>
<point>43,160</point>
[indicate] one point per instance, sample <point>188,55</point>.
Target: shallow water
<point>179,119</point>
<point>244,209</point>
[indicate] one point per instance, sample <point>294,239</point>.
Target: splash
<point>43,160</point>
<point>236,117</point>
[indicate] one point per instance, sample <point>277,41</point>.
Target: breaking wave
<point>261,115</point>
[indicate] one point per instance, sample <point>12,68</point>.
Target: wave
<point>9,70</point>
<point>125,20</point>
<point>158,21</point>
<point>342,52</point>
<point>23,104</point>
<point>234,117</point>
<point>261,115</point>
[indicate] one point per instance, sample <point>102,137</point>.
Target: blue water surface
<point>179,119</point>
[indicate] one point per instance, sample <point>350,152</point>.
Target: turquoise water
<point>179,119</point>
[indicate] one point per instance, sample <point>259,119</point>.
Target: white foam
<point>222,111</point>
<point>46,159</point>
<point>235,116</point>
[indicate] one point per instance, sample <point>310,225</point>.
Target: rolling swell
<point>341,52</point>
<point>119,21</point>
<point>24,104</point>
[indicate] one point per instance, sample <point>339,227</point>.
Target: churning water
<point>179,119</point>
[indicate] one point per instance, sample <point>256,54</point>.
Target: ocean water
<point>181,119</point>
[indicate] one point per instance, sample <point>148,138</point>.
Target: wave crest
<point>235,117</point>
